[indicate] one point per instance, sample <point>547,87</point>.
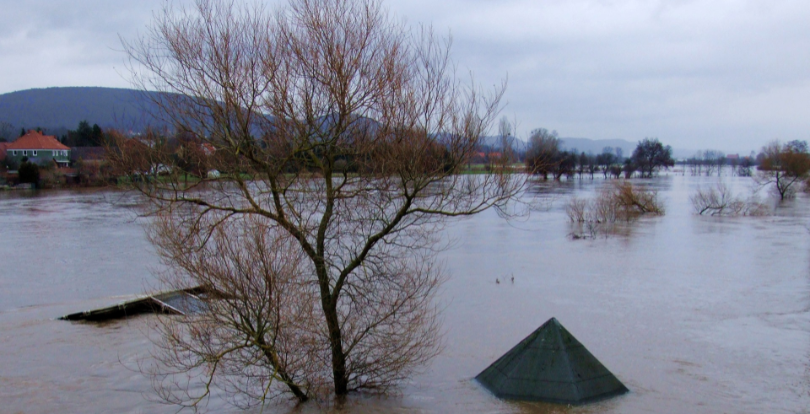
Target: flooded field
<point>694,314</point>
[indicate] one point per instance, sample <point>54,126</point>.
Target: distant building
<point>39,149</point>
<point>733,157</point>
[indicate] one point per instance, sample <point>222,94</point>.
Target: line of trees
<point>84,135</point>
<point>545,157</point>
<point>712,162</point>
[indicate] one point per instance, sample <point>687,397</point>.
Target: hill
<point>59,109</point>
<point>596,146</point>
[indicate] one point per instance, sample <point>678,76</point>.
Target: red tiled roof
<point>34,140</point>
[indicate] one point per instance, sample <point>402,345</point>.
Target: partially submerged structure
<point>550,365</point>
<point>176,302</point>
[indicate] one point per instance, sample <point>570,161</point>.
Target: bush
<point>577,209</point>
<point>11,163</point>
<point>28,172</point>
<point>617,202</point>
<point>719,201</point>
<point>620,201</point>
<point>633,201</point>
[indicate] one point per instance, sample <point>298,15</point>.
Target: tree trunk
<point>338,356</point>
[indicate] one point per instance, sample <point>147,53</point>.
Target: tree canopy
<point>651,155</point>
<point>85,136</point>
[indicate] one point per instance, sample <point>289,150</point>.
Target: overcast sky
<point>721,74</point>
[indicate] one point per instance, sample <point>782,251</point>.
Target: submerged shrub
<point>633,201</point>
<point>719,201</point>
<point>576,210</point>
<point>620,201</point>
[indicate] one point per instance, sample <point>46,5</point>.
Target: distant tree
<point>566,165</point>
<point>85,136</point>
<point>593,166</point>
<point>744,169</point>
<point>735,163</point>
<point>506,131</point>
<point>616,170</point>
<point>720,161</point>
<point>706,162</point>
<point>650,156</point>
<point>97,135</point>
<point>543,154</point>
<point>582,164</point>
<point>783,166</point>
<point>629,168</point>
<point>606,159</point>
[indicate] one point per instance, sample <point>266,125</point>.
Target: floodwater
<point>694,314</point>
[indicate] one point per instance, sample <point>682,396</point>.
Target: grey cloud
<point>731,74</point>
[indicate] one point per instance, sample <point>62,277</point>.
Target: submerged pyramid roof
<point>550,365</point>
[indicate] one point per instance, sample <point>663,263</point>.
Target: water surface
<point>694,314</point>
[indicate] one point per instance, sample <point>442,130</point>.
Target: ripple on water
<point>693,314</point>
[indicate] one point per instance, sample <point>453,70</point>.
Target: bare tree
<point>716,201</point>
<point>338,132</point>
<point>506,130</point>
<point>259,332</point>
<point>720,201</point>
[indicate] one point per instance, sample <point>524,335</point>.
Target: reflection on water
<point>694,314</point>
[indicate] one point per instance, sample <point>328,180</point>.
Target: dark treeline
<point>546,158</point>
<point>84,136</point>
<point>712,162</point>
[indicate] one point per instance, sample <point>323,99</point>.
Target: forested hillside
<point>58,109</point>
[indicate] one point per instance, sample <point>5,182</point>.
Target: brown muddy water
<point>694,314</point>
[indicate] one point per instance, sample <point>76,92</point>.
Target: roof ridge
<point>564,350</point>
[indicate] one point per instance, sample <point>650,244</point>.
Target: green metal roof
<point>550,365</point>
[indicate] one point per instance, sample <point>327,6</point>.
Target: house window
<point>34,153</point>
<point>25,152</point>
<point>13,152</point>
